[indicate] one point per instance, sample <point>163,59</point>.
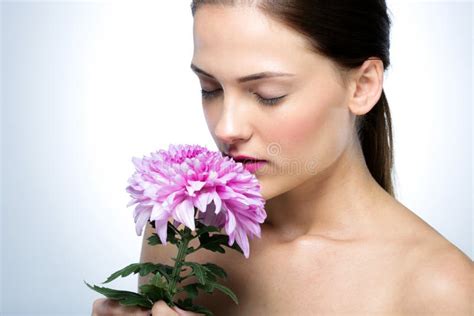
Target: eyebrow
<point>257,76</point>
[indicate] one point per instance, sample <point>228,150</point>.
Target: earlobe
<point>366,86</point>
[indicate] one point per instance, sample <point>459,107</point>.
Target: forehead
<point>233,38</point>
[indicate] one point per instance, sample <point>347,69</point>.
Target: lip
<point>250,163</point>
<point>242,158</point>
<point>254,166</point>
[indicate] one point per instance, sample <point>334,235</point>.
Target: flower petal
<point>243,242</point>
<point>218,203</point>
<point>140,220</point>
<point>230,223</point>
<point>158,213</point>
<point>202,201</point>
<point>185,178</point>
<point>161,228</point>
<point>197,185</point>
<point>184,212</point>
<point>132,201</point>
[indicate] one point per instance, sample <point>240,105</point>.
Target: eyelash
<point>210,94</point>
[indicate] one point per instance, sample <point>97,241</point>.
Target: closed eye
<point>211,94</point>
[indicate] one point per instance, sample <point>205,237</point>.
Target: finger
<point>103,306</point>
<point>160,308</point>
<point>106,306</point>
<point>182,312</point>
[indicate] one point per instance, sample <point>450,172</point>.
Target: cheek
<point>313,134</point>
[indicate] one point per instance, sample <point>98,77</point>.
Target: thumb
<point>160,308</point>
<point>182,312</point>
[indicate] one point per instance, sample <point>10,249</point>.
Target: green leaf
<point>131,268</point>
<point>171,233</point>
<point>216,270</point>
<point>198,270</point>
<point>157,280</point>
<point>227,291</point>
<point>153,292</point>
<point>235,246</point>
<point>188,302</point>
<point>191,290</point>
<point>187,232</point>
<point>188,306</point>
<point>210,276</point>
<point>214,242</point>
<point>165,270</point>
<point>154,240</point>
<point>143,269</point>
<point>202,229</point>
<point>201,310</point>
<point>146,268</point>
<point>210,286</point>
<point>210,243</point>
<point>123,297</point>
<point>190,250</point>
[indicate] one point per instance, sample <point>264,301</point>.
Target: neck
<point>339,202</point>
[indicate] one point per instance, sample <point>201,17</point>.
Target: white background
<point>87,85</point>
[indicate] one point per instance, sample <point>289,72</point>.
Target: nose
<point>233,125</point>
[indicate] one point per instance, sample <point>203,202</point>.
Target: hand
<point>106,307</point>
<point>160,308</point>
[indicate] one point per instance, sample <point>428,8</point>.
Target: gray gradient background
<point>88,85</point>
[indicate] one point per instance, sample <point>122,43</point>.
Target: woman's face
<point>300,135</point>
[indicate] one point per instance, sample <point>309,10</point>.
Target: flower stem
<point>183,247</point>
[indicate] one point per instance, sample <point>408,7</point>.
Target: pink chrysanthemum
<point>171,184</point>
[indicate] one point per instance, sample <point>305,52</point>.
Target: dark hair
<point>348,32</point>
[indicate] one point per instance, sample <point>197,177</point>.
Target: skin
<point>334,242</point>
<point>103,306</point>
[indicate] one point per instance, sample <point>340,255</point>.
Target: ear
<point>366,86</point>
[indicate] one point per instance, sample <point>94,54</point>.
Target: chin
<point>266,194</point>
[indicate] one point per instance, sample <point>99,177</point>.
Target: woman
<point>336,241</point>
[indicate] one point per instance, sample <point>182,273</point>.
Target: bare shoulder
<point>442,282</point>
<point>440,279</point>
